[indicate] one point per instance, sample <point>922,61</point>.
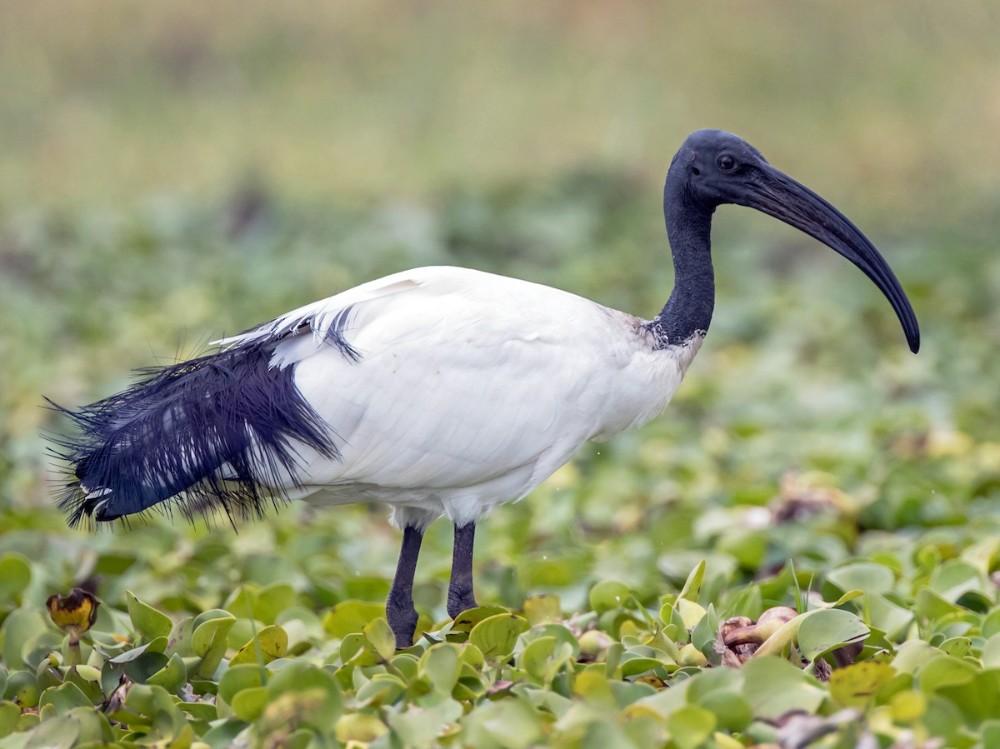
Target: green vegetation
<point>812,525</point>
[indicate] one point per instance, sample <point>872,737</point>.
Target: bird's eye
<point>726,162</point>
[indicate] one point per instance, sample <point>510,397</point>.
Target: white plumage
<point>469,388</point>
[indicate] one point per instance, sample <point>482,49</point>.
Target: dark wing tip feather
<point>162,442</point>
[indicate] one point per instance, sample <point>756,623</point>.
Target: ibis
<point>435,391</point>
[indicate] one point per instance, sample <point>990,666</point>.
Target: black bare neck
<point>688,311</point>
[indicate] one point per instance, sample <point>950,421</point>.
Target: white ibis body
<point>436,391</point>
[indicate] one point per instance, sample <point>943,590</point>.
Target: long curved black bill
<point>778,195</point>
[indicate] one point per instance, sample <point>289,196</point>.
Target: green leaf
<point>172,676</point>
<point>359,728</point>
<point>827,629</point>
<point>543,657</point>
<point>468,619</point>
<point>692,586</point>
<point>440,664</point>
<point>509,723</point>
<point>149,622</point>
<point>59,733</point>
<point>866,576</point>
<point>300,677</point>
<point>210,631</point>
<point>381,637</point>
<point>15,576</point>
<point>542,609</point>
<point>270,643</point>
<point>496,636</point>
<point>239,677</point>
<point>64,698</point>
<point>855,685</point>
<point>690,726</point>
<point>773,687</point>
<point>141,669</point>
<point>609,594</point>
<point>349,617</point>
<point>249,703</point>
<point>419,725</point>
<point>944,671</point>
<point>19,628</point>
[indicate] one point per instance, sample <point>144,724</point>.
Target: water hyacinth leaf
<point>355,650</point>
<point>609,594</point>
<point>269,644</point>
<point>210,632</point>
<point>63,698</point>
<point>866,576</point>
<point>15,576</point>
<point>944,671</point>
<point>359,728</point>
<point>978,699</point>
<point>381,637</point>
<point>272,600</point>
<point>9,715</point>
<point>543,657</point>
<point>22,689</point>
<point>172,676</point>
<point>263,604</point>
<point>692,586</point>
<point>349,617</point>
<point>955,578</point>
<point>299,677</point>
<point>58,733</point>
<point>991,652</point>
<point>542,609</point>
<point>907,706</point>
<point>633,665</point>
<point>731,710</point>
<point>773,686</point>
<point>146,665</point>
<point>888,616</point>
<point>420,725</point>
<point>855,685</point>
<point>467,620</point>
<point>239,677</point>
<point>148,622</point>
<point>827,629</point>
<point>19,628</point>
<point>510,724</point>
<point>224,734</point>
<point>496,635</point>
<point>991,623</point>
<point>148,707</point>
<point>704,631</point>
<point>628,692</point>
<point>914,655</point>
<point>690,726</point>
<point>248,704</point>
<point>931,605</point>
<point>383,689</point>
<point>440,664</point>
<point>241,602</point>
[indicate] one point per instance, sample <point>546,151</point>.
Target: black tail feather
<point>169,435</point>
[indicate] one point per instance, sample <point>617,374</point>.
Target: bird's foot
<point>402,617</point>
<point>459,601</point>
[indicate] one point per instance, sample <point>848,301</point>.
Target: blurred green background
<point>170,172</point>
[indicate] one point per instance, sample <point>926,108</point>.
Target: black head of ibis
<point>713,168</point>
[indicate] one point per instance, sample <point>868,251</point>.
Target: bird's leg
<point>399,609</point>
<point>460,597</point>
